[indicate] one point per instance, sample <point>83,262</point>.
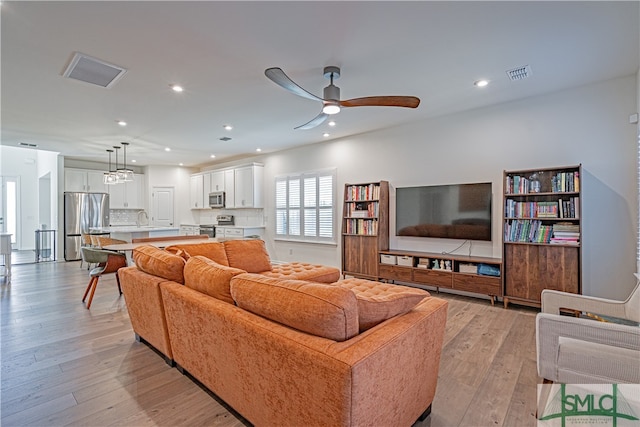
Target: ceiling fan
<point>331,102</point>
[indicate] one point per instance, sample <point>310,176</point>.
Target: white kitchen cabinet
<point>229,189</point>
<point>217,181</point>
<point>206,188</point>
<point>196,192</point>
<point>189,230</point>
<point>248,186</point>
<point>84,180</point>
<point>242,187</point>
<point>238,232</point>
<point>127,195</point>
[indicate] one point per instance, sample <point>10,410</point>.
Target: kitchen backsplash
<point>123,216</point>
<point>241,216</point>
<point>118,217</point>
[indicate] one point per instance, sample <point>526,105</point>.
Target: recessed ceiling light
<point>258,150</point>
<point>134,161</point>
<point>213,156</point>
<point>326,135</point>
<point>122,123</point>
<point>180,164</point>
<point>481,83</point>
<point>227,127</point>
<point>167,149</point>
<point>176,88</point>
<point>331,123</point>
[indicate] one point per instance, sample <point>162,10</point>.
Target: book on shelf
<point>362,209</point>
<point>566,182</point>
<point>366,227</point>
<point>565,234</point>
<point>527,231</point>
<point>516,184</point>
<point>363,192</point>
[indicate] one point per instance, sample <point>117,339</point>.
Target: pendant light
<point>110,177</point>
<point>118,180</point>
<point>124,174</point>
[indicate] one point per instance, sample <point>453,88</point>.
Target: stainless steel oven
<point>208,229</point>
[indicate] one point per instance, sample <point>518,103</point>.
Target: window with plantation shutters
<point>305,208</point>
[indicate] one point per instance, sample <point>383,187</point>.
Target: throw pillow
<point>209,277</point>
<point>378,302</point>
<point>315,308</point>
<point>248,255</point>
<point>159,263</point>
<point>213,250</point>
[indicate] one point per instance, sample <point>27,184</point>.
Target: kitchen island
<point>130,232</point>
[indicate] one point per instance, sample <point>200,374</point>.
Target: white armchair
<point>579,350</point>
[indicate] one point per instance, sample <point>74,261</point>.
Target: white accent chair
<point>581,350</point>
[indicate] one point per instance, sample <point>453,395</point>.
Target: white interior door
<point>162,206</point>
<point>9,207</point>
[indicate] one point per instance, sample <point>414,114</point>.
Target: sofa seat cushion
<point>248,255</point>
<point>378,302</point>
<point>210,278</point>
<point>304,271</point>
<point>159,263</point>
<point>213,250</point>
<point>316,308</point>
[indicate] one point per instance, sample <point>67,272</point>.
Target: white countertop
<point>244,227</point>
<point>131,229</point>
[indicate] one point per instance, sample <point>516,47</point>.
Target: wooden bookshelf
<point>542,233</point>
<point>365,228</point>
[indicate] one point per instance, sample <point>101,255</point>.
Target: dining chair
<point>107,262</point>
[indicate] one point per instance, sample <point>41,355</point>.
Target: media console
<point>481,275</point>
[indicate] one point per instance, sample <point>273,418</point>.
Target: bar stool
<point>107,262</point>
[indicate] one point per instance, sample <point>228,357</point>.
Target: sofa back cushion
<point>208,277</point>
<point>378,302</point>
<point>159,263</point>
<point>213,250</point>
<point>320,309</point>
<point>248,255</point>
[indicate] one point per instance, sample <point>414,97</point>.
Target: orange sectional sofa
<point>283,351</point>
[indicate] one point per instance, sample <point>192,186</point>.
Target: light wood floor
<point>65,365</point>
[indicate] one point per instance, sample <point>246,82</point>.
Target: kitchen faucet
<point>140,222</point>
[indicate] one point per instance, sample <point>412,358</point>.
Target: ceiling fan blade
<point>382,101</point>
<point>314,122</point>
<point>278,76</point>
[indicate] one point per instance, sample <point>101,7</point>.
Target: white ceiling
<point>219,50</point>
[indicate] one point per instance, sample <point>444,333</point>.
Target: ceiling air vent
<point>519,73</point>
<point>225,139</point>
<point>95,71</point>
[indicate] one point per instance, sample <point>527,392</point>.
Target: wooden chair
<point>107,262</point>
<point>86,242</point>
<point>102,241</point>
<point>161,239</point>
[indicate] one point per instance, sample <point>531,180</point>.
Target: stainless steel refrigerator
<point>82,211</point>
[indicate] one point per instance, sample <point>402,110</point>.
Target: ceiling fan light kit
<point>331,103</point>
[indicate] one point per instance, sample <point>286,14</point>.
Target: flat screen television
<point>456,211</point>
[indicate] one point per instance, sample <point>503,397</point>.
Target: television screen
<point>458,211</point>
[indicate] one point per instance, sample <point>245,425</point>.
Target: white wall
<point>587,125</point>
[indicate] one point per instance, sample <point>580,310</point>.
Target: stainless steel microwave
<point>216,199</point>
